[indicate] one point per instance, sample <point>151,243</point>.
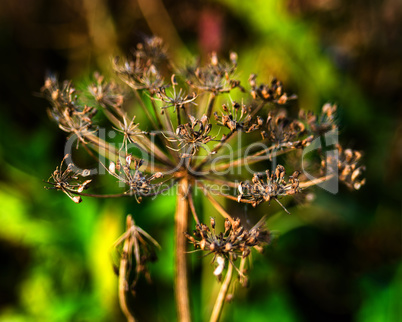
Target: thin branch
<point>221,182</point>
<point>257,109</point>
<point>119,195</point>
<point>191,204</point>
<point>251,159</point>
<point>123,285</point>
<point>214,151</point>
<point>220,300</point>
<point>145,109</point>
<point>216,204</point>
<point>211,102</point>
<point>314,182</point>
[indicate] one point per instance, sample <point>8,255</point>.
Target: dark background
<point>337,260</point>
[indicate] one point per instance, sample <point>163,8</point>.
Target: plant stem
<point>123,282</point>
<point>181,218</point>
<point>210,104</point>
<point>216,312</point>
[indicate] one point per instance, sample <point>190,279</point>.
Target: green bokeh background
<point>338,259</point>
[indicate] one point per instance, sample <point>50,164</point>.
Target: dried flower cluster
<point>274,186</point>
<point>68,181</point>
<point>345,162</point>
<point>234,242</point>
<point>185,143</point>
<point>137,248</point>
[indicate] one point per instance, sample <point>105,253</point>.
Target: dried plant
<point>183,146</point>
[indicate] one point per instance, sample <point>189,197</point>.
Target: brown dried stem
<point>216,204</point>
<point>123,286</point>
<point>210,104</point>
<point>220,300</point>
<point>191,204</point>
<point>181,278</point>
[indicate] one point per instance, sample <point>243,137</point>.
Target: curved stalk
<point>181,280</point>
<point>123,287</point>
<point>216,312</point>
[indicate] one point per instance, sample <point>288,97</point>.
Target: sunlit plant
<point>197,140</point>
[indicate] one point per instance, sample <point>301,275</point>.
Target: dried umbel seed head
<point>235,242</point>
<point>269,92</point>
<point>142,72</point>
<point>237,117</point>
<point>68,181</point>
<point>192,135</point>
<point>174,98</point>
<point>139,184</point>
<point>70,116</point>
<point>346,164</point>
<point>215,77</point>
<point>272,187</point>
<point>283,131</point>
<point>136,249</point>
<point>106,93</point>
<point>318,125</point>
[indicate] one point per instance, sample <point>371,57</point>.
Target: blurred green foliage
<point>338,259</point>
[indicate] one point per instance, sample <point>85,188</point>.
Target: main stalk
<point>181,280</point>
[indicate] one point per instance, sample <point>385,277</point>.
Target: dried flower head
<point>269,92</point>
<point>215,77</point>
<point>238,118</point>
<point>236,241</point>
<point>68,181</point>
<point>345,162</point>
<point>283,131</point>
<point>192,135</point>
<point>175,99</point>
<point>106,93</point>
<point>136,248</point>
<point>138,183</point>
<point>71,117</point>
<point>320,124</point>
<point>274,186</point>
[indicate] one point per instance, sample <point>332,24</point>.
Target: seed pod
<point>252,80</point>
<point>227,225</point>
<point>212,221</point>
<point>202,244</point>
<point>233,58</point>
<point>128,159</point>
<point>221,265</point>
<point>112,167</point>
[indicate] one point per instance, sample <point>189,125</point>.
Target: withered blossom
<point>71,117</point>
<point>136,249</point>
<point>235,242</point>
<point>346,164</point>
<point>320,124</point>
<point>238,118</point>
<point>215,77</point>
<point>130,130</point>
<point>174,99</point>
<point>68,181</point>
<point>192,135</point>
<point>285,132</point>
<point>269,92</point>
<point>138,183</point>
<point>144,78</point>
<point>272,187</point>
<point>142,71</point>
<point>106,93</point>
